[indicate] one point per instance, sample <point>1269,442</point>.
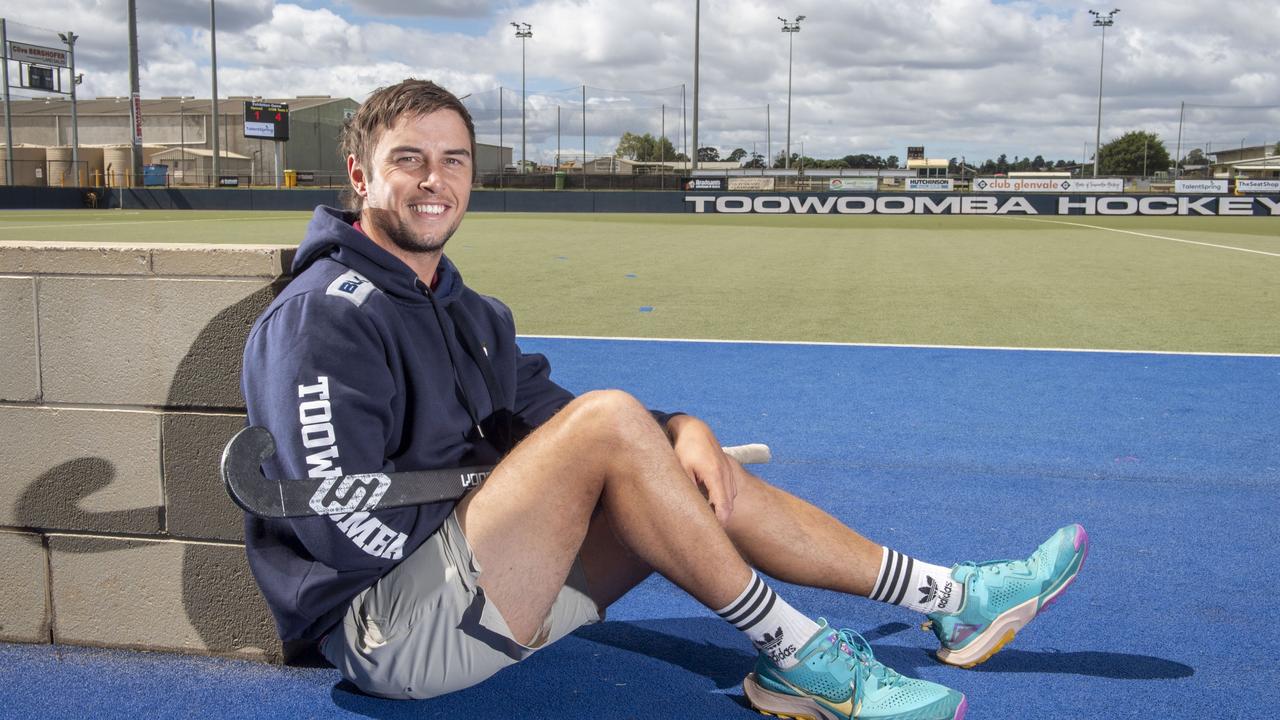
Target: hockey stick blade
<point>259,495</point>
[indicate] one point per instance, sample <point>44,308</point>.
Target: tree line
<point>1133,153</point>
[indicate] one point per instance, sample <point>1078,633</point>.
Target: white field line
<point>898,345</point>
<point>1148,235</point>
<point>109,223</point>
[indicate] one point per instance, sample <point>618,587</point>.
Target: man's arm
<point>316,377</point>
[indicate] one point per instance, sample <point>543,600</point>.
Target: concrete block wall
<point>119,386</point>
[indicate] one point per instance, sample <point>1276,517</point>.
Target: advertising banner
<point>855,184</point>
<point>977,204</point>
<point>1200,186</point>
<point>1049,185</point>
<point>1258,186</point>
<point>752,184</point>
<point>136,105</point>
<point>38,54</point>
<point>930,184</point>
<point>704,183</point>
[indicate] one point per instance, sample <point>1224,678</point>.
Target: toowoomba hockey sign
<point>950,204</point>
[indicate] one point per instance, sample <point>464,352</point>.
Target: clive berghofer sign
<point>938,204</point>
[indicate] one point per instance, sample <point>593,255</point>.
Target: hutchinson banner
<point>930,184</point>
<point>977,204</point>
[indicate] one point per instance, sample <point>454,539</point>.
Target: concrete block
<point>159,595</point>
<point>263,261</point>
<point>24,588</point>
<point>34,258</point>
<point>157,342</point>
<point>196,504</point>
<point>20,379</point>
<point>71,469</point>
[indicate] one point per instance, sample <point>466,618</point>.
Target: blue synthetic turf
<point>1171,462</point>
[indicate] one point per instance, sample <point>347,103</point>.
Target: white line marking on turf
<point>111,223</point>
<point>900,345</point>
<point>1146,235</point>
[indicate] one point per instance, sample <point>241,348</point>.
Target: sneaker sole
<point>1007,624</point>
<point>767,702</point>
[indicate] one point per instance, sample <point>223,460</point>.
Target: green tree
<point>737,155</point>
<point>891,162</point>
<point>647,148</point>
<point>756,161</point>
<point>1195,158</point>
<point>708,154</point>
<point>1133,153</point>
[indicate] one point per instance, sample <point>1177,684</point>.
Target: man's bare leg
<point>529,520</point>
<point>796,542</point>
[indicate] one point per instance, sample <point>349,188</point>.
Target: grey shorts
<point>425,629</point>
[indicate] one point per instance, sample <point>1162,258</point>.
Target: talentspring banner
<point>939,204</point>
<point>1200,186</point>
<point>1048,185</point>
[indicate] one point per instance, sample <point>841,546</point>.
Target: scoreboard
<point>268,121</point>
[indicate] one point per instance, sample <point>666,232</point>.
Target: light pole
<point>213,72</point>
<point>70,39</point>
<point>1104,22</point>
<point>523,31</point>
<point>791,27</point>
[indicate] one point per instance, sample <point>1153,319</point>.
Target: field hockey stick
<point>259,495</point>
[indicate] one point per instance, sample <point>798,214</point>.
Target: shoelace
<point>860,658</point>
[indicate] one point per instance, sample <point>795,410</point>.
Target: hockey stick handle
<point>259,495</point>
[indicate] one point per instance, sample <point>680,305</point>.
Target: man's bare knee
<point>613,418</point>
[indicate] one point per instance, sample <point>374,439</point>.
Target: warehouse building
<point>177,133</point>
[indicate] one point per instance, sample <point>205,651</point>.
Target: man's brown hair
<point>409,97</point>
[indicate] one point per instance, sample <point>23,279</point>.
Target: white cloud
<point>962,77</point>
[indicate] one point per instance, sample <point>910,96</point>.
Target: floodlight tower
<point>70,39</point>
<point>1103,21</point>
<point>524,31</point>
<point>791,27</point>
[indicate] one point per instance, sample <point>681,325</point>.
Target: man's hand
<point>705,463</point>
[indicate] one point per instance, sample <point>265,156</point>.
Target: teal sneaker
<point>1001,597</point>
<point>838,678</point>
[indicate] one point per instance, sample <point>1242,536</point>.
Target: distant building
<point>183,123</point>
<point>1253,163</point>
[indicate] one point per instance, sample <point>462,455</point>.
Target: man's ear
<point>356,175</point>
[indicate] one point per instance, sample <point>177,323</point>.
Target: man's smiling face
<point>419,181</point>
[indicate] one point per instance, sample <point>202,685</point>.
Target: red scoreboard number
<point>267,121</point>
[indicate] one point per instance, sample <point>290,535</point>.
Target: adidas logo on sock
<point>932,591</point>
<point>772,646</point>
<point>772,641</point>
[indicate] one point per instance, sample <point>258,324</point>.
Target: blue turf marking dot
<point>646,308</point>
<point>561,257</point>
<point>632,275</point>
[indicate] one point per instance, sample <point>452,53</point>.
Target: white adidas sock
<point>774,627</point>
<point>925,588</point>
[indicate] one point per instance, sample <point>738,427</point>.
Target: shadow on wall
<point>220,598</point>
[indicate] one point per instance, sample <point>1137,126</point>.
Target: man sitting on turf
<point>378,358</point>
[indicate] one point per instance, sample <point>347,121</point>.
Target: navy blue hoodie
<point>355,368</point>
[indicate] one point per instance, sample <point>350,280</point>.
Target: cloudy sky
<point>972,78</point>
